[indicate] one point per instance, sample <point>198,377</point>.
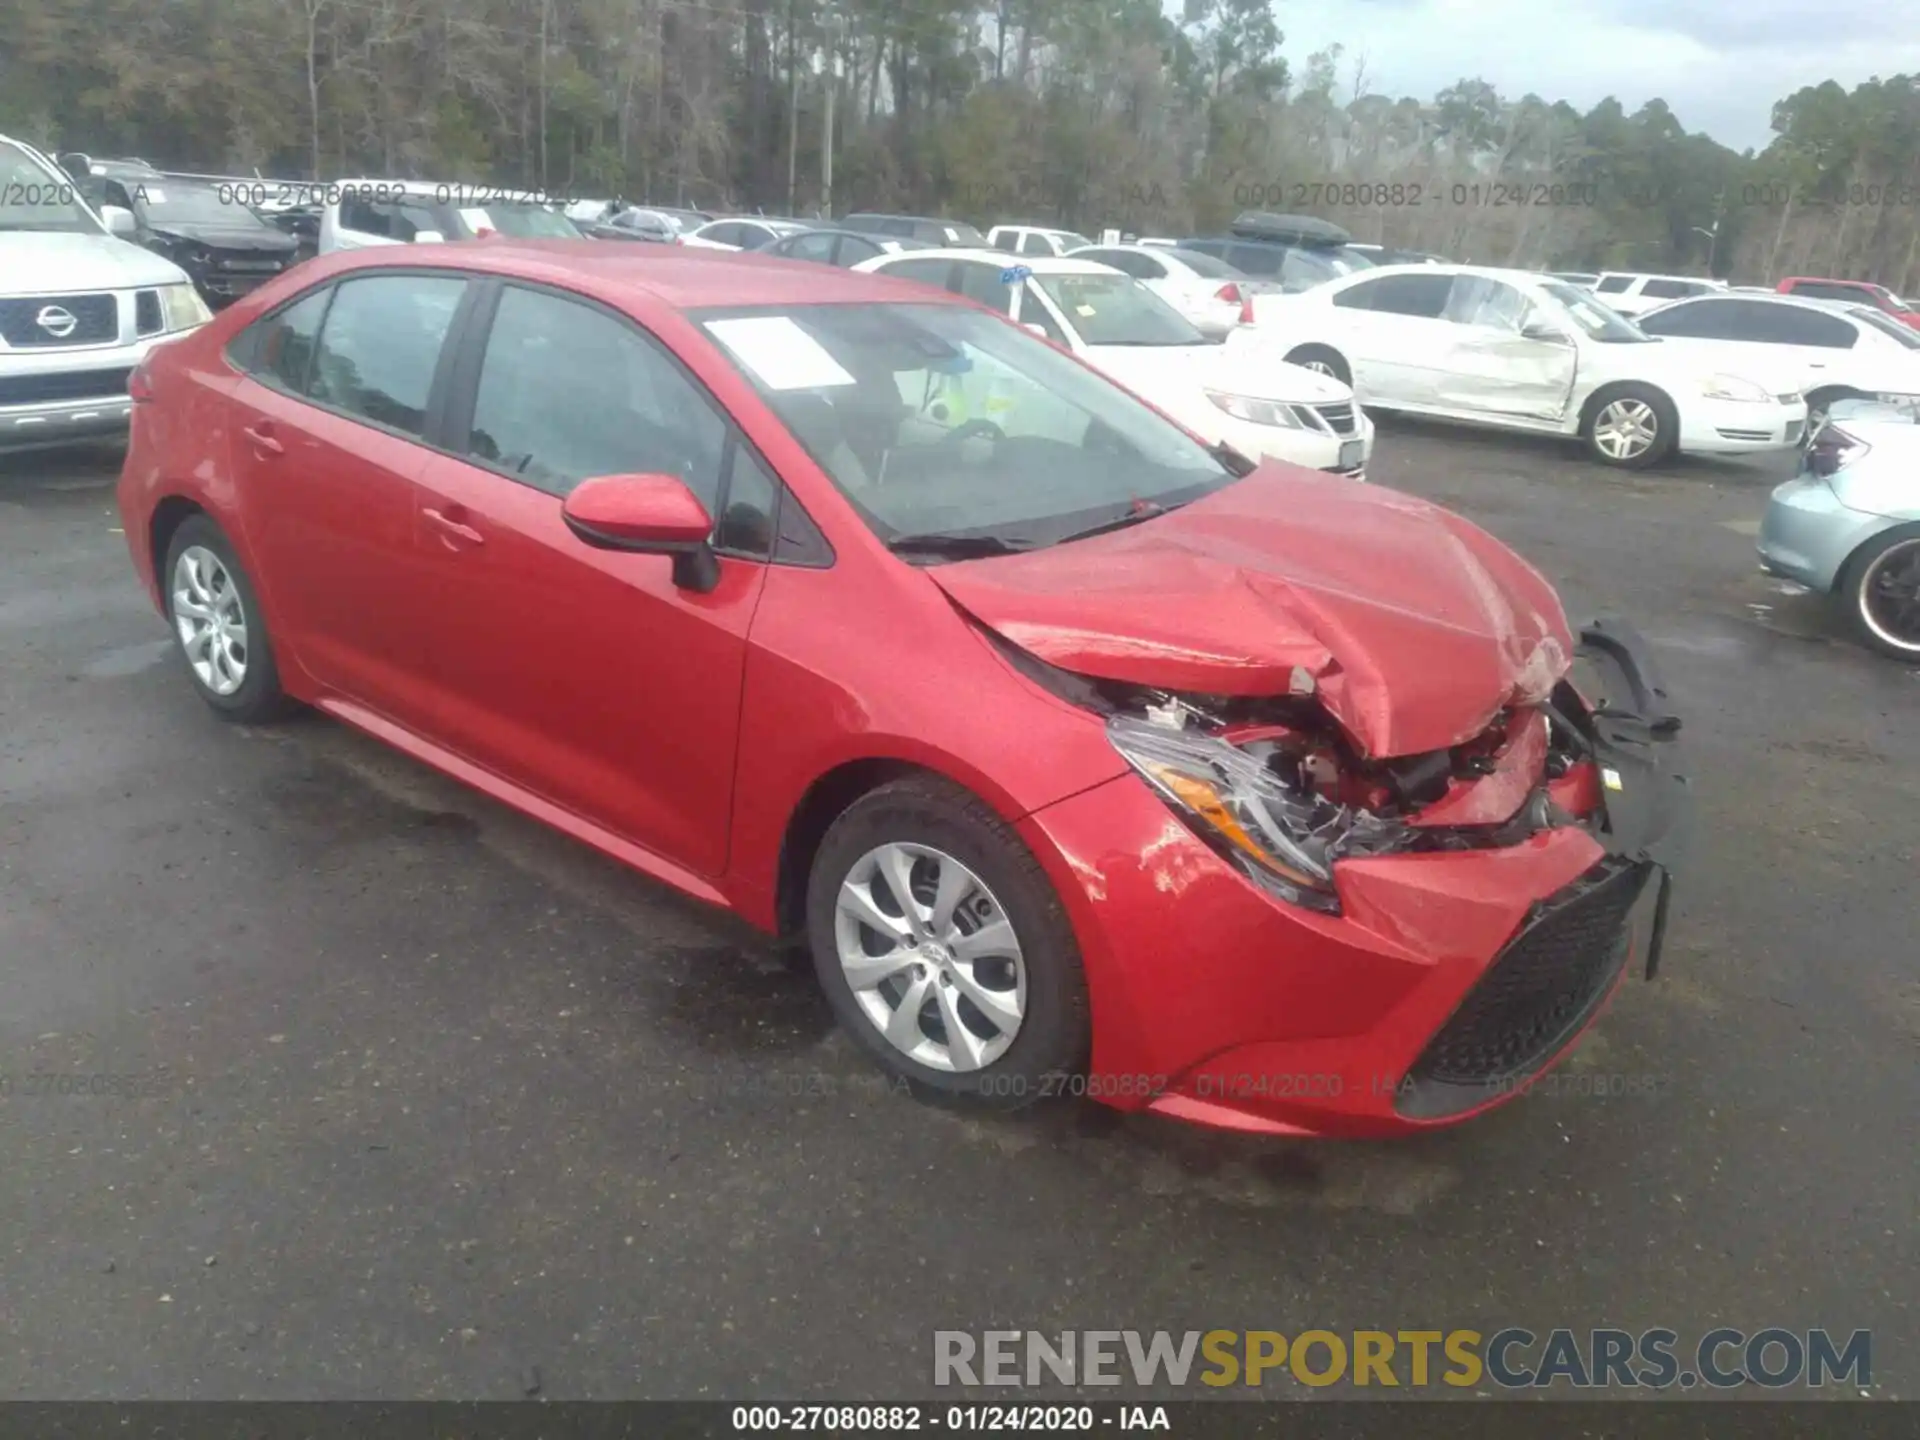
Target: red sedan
<point>1086,758</point>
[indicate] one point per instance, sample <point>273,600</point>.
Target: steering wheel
<point>974,430</point>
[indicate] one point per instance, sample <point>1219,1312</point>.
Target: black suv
<point>208,230</point>
<point>1296,251</point>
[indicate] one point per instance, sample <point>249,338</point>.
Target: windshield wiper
<point>1143,510</point>
<point>957,547</point>
<point>1236,463</point>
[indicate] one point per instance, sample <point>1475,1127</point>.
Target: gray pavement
<point>430,1101</point>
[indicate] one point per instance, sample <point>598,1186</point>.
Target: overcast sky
<point>1720,64</point>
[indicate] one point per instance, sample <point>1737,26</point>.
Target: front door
<point>586,676</point>
<point>1492,368</point>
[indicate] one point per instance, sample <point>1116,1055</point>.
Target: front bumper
<point>1345,454</point>
<point>58,398</point>
<point>1450,979</point>
<point>1737,427</point>
<point>1807,535</point>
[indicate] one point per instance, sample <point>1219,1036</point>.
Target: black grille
<point>146,312</point>
<point>1539,990</point>
<point>96,320</point>
<point>1340,417</point>
<point>71,385</point>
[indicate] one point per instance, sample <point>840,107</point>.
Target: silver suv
<point>79,307</point>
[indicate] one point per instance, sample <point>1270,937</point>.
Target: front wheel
<point>1881,590</point>
<point>944,949</point>
<point>1631,427</point>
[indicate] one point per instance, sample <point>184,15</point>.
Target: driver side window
<point>568,392</point>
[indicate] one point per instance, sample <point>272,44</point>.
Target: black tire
<point>1858,572</point>
<point>1312,355</point>
<point>1665,419</point>
<point>1052,1042</point>
<point>259,698</point>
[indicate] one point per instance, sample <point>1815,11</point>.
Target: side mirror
<point>119,220</point>
<point>79,167</point>
<point>646,515</point>
<point>427,237</point>
<point>1543,331</point>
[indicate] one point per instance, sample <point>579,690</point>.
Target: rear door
<point>583,675</point>
<point>1491,369</point>
<point>1391,330</point>
<point>326,444</point>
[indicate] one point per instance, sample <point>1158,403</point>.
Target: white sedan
<point>1521,351</point>
<point>1241,392</point>
<point>741,233</point>
<point>1208,291</point>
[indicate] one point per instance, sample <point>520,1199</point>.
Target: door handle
<point>263,440</point>
<point>453,529</point>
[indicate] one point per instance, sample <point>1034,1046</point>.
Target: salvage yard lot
<point>412,1097</point>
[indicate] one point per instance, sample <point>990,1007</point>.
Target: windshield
<point>1886,325</point>
<point>1117,310</point>
<point>1596,320</point>
<point>175,202</point>
<point>945,420</point>
<point>531,222</point>
<point>33,199</point>
<point>958,232</point>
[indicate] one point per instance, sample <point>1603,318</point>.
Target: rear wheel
<point>1320,359</point>
<point>1631,427</point>
<point>944,949</point>
<point>1881,589</point>
<point>218,624</point>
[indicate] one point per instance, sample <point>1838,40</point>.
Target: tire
<point>1653,419</point>
<point>1000,1063</point>
<point>1892,556</point>
<point>202,568</point>
<point>1327,362</point>
<point>1821,401</point>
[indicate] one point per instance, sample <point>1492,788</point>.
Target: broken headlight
<point>1280,833</point>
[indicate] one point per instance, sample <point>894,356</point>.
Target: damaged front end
<point>1277,787</point>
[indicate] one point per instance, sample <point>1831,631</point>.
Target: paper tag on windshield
<point>779,353</point>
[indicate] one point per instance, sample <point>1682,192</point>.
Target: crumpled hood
<point>1236,367</point>
<point>1414,626</point>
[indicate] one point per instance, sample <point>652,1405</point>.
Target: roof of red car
<point>685,279</point>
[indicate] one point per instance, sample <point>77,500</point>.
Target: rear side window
<point>380,346</point>
<point>932,271</point>
<point>1704,320</point>
<point>982,283</point>
<point>1035,244</point>
<point>1422,296</point>
<point>1005,240</point>
<point>1261,261</point>
<point>1614,284</point>
<point>1672,289</point>
<point>279,349</point>
<point>568,392</point>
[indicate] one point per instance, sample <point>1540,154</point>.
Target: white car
<point>80,307</point>
<point>361,214</point>
<point>1841,351</point>
<point>1628,293</point>
<point>1036,240</point>
<point>1241,392</point>
<point>1209,292</point>
<point>741,233</point>
<point>1518,350</point>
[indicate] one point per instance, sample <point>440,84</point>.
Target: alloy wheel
<point>931,957</point>
<point>1890,596</point>
<point>1626,429</point>
<point>210,619</point>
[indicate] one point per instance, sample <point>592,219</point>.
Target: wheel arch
<point>168,516</point>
